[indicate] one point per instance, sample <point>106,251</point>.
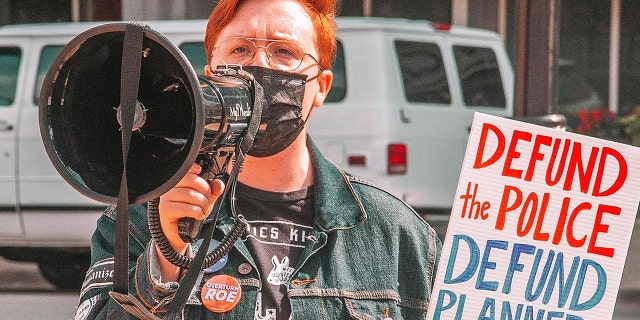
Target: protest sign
<point>540,225</point>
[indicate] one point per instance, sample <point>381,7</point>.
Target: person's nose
<point>260,58</point>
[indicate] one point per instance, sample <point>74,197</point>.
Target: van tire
<point>64,270</point>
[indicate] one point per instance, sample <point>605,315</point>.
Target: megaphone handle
<point>188,229</point>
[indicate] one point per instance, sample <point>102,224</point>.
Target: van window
<point>480,77</point>
<point>194,51</point>
<point>47,55</point>
<point>339,85</point>
<point>9,65</point>
<point>423,74</point>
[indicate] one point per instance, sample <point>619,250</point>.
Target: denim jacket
<point>370,256</point>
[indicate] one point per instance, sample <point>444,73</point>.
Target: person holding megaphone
<point>319,243</point>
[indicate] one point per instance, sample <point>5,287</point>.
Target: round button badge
<point>212,245</point>
<point>244,268</point>
<point>221,293</point>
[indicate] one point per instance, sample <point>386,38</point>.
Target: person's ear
<point>324,84</point>
<point>207,70</point>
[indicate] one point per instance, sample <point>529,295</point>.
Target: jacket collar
<point>337,205</point>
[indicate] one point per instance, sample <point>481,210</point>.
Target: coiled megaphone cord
<point>180,260</point>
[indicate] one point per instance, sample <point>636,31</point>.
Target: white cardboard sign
<point>540,225</point>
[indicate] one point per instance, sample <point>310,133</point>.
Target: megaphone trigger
<point>188,229</point>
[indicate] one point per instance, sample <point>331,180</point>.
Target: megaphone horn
<point>81,115</point>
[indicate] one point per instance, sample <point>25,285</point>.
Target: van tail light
<point>441,26</point>
<point>396,158</point>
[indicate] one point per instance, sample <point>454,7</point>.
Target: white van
<point>42,218</point>
<point>398,115</point>
<point>403,101</point>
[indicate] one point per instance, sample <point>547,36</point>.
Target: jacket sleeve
<point>144,279</point>
<point>434,250</point>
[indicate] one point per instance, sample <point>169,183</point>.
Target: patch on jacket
<point>84,309</point>
<point>100,275</point>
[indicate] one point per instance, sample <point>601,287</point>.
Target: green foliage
<point>630,125</point>
<point>600,123</point>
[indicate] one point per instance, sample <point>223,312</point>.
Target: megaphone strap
<point>134,307</point>
<point>174,310</point>
<point>130,71</point>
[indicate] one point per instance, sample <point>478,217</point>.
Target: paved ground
<point>26,295</point>
<point>22,277</point>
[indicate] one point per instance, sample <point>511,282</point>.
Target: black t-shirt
<point>279,224</point>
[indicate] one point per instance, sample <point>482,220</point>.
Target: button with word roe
<point>221,293</point>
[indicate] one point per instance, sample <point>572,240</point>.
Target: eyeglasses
<point>283,55</point>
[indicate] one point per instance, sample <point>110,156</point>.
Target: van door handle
<point>404,116</point>
<point>5,126</point>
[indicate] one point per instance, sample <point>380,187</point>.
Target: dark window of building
<point>584,40</point>
<point>47,55</point>
<point>480,77</point>
<point>103,10</point>
<point>34,11</point>
<point>351,8</point>
<point>433,10</point>
<point>9,66</point>
<point>423,73</point>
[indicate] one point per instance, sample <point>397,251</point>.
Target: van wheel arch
<point>65,270</point>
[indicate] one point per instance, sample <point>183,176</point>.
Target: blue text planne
<point>548,275</point>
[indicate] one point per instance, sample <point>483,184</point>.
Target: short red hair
<point>322,13</point>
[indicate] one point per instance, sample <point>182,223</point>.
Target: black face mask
<point>283,92</point>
